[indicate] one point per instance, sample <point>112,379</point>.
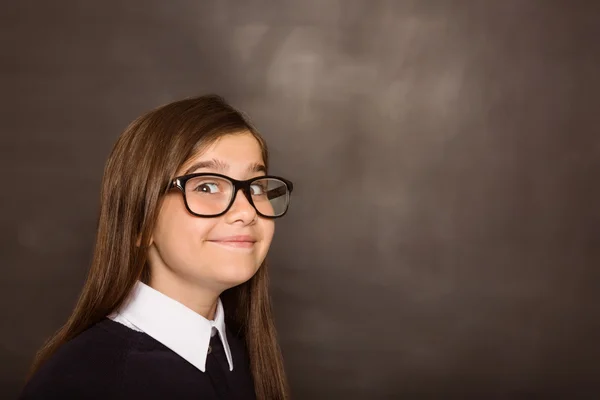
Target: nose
<point>241,209</point>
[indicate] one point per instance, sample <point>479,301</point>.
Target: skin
<point>193,259</point>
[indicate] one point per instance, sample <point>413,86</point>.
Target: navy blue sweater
<point>112,361</point>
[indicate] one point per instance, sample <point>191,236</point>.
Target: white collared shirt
<point>171,323</point>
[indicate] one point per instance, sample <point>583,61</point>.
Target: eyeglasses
<point>212,195</point>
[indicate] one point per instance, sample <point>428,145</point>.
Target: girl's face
<point>220,252</point>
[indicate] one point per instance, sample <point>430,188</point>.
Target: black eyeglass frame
<point>180,182</point>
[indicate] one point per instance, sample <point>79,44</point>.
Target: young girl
<point>176,303</point>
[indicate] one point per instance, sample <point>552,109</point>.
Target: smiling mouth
<point>240,244</point>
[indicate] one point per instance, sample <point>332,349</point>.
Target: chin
<point>233,275</point>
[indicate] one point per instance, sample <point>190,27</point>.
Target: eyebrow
<point>222,167</point>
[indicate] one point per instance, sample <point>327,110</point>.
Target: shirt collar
<point>176,326</point>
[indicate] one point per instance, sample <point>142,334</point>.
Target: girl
<point>176,303</point>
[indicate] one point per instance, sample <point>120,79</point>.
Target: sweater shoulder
<point>88,366</point>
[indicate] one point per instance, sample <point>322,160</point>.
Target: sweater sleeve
<point>62,387</point>
<point>88,367</point>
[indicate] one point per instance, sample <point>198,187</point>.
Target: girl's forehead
<point>233,151</point>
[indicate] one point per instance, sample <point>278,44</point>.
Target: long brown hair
<point>144,160</point>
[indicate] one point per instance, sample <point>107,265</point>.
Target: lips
<point>239,241</point>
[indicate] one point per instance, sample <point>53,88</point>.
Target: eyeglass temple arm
<point>278,191</point>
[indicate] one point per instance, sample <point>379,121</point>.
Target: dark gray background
<point>444,232</point>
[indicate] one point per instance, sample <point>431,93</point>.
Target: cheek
<point>178,234</point>
<point>268,229</point>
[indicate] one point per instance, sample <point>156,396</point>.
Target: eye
<point>207,187</point>
<point>258,188</point>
